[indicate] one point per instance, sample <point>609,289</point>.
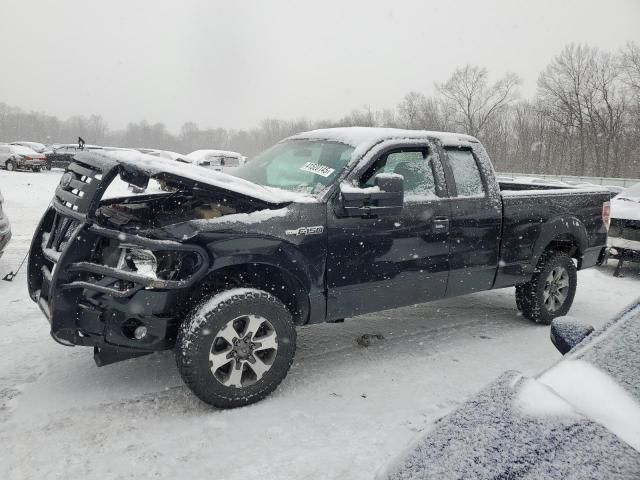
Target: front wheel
<point>236,347</point>
<point>550,292</point>
<point>10,165</point>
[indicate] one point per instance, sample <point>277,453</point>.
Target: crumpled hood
<point>137,168</point>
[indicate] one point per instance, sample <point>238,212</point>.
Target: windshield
<point>304,166</point>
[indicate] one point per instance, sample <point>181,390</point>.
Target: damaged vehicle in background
<point>624,234</point>
<point>578,419</point>
<point>325,225</point>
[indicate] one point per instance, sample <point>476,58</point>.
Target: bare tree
<point>565,87</point>
<point>476,101</point>
<point>630,63</point>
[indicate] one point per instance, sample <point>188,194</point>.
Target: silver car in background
<point>17,157</point>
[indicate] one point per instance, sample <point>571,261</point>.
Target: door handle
<point>441,224</point>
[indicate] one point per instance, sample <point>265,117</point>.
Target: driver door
<point>380,262</point>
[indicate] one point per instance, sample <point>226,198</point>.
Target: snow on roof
<point>202,154</point>
<point>364,138</point>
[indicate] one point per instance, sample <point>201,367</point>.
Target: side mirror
<point>567,332</point>
<point>384,198</point>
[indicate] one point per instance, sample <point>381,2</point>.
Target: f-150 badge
<point>306,231</point>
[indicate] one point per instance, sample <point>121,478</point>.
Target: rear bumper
<point>31,164</point>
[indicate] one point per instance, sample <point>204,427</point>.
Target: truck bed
<point>534,212</point>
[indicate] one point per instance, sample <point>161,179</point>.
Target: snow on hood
<point>625,209</point>
<point>597,396</point>
<point>626,205</point>
<point>496,434</point>
<point>154,166</point>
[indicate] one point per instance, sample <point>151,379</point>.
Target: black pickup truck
<point>325,225</point>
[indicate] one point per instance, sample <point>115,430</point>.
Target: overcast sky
<point>231,64</point>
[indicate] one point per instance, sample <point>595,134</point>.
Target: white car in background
<point>624,232</point>
<point>216,159</point>
<point>35,146</point>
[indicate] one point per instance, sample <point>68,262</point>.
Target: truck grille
<point>78,186</point>
<point>55,241</point>
<point>629,229</point>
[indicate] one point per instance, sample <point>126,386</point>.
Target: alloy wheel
<point>556,289</point>
<point>243,351</point>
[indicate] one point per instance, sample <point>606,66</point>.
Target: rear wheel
<point>236,348</point>
<point>10,165</point>
<point>550,292</point>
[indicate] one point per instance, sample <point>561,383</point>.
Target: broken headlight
<point>159,265</point>
<point>139,260</point>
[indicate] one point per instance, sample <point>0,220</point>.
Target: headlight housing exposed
<point>140,260</point>
<point>158,265</point>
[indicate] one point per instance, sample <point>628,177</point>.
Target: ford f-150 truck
<point>325,225</point>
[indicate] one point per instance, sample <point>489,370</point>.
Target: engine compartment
<point>147,212</point>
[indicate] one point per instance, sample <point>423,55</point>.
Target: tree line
<point>583,120</point>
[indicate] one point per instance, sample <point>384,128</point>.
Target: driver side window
<point>414,165</point>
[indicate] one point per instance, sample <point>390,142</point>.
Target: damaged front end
<point>106,273</point>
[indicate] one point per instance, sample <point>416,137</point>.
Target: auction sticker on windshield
<point>321,170</point>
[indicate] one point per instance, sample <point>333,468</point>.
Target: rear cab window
<point>466,173</point>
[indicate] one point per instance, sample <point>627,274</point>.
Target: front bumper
<point>624,234</point>
<point>91,304</point>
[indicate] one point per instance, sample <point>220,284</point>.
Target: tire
<point>550,292</point>
<point>207,354</point>
<point>36,170</point>
<point>10,165</point>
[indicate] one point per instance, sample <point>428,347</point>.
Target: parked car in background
<point>216,159</point>
<point>578,419</point>
<point>61,154</point>
<point>624,233</point>
<point>35,146</point>
<point>5,227</point>
<point>17,157</point>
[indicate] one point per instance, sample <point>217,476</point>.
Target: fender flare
<point>561,228</point>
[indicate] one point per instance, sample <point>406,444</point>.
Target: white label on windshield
<point>321,170</point>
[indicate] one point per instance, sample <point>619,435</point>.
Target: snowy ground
<point>342,412</point>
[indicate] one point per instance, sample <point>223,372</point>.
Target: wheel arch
<point>274,279</point>
<point>566,234</point>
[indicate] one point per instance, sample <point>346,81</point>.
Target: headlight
<point>139,260</point>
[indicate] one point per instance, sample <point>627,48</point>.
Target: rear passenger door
<point>476,222</point>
